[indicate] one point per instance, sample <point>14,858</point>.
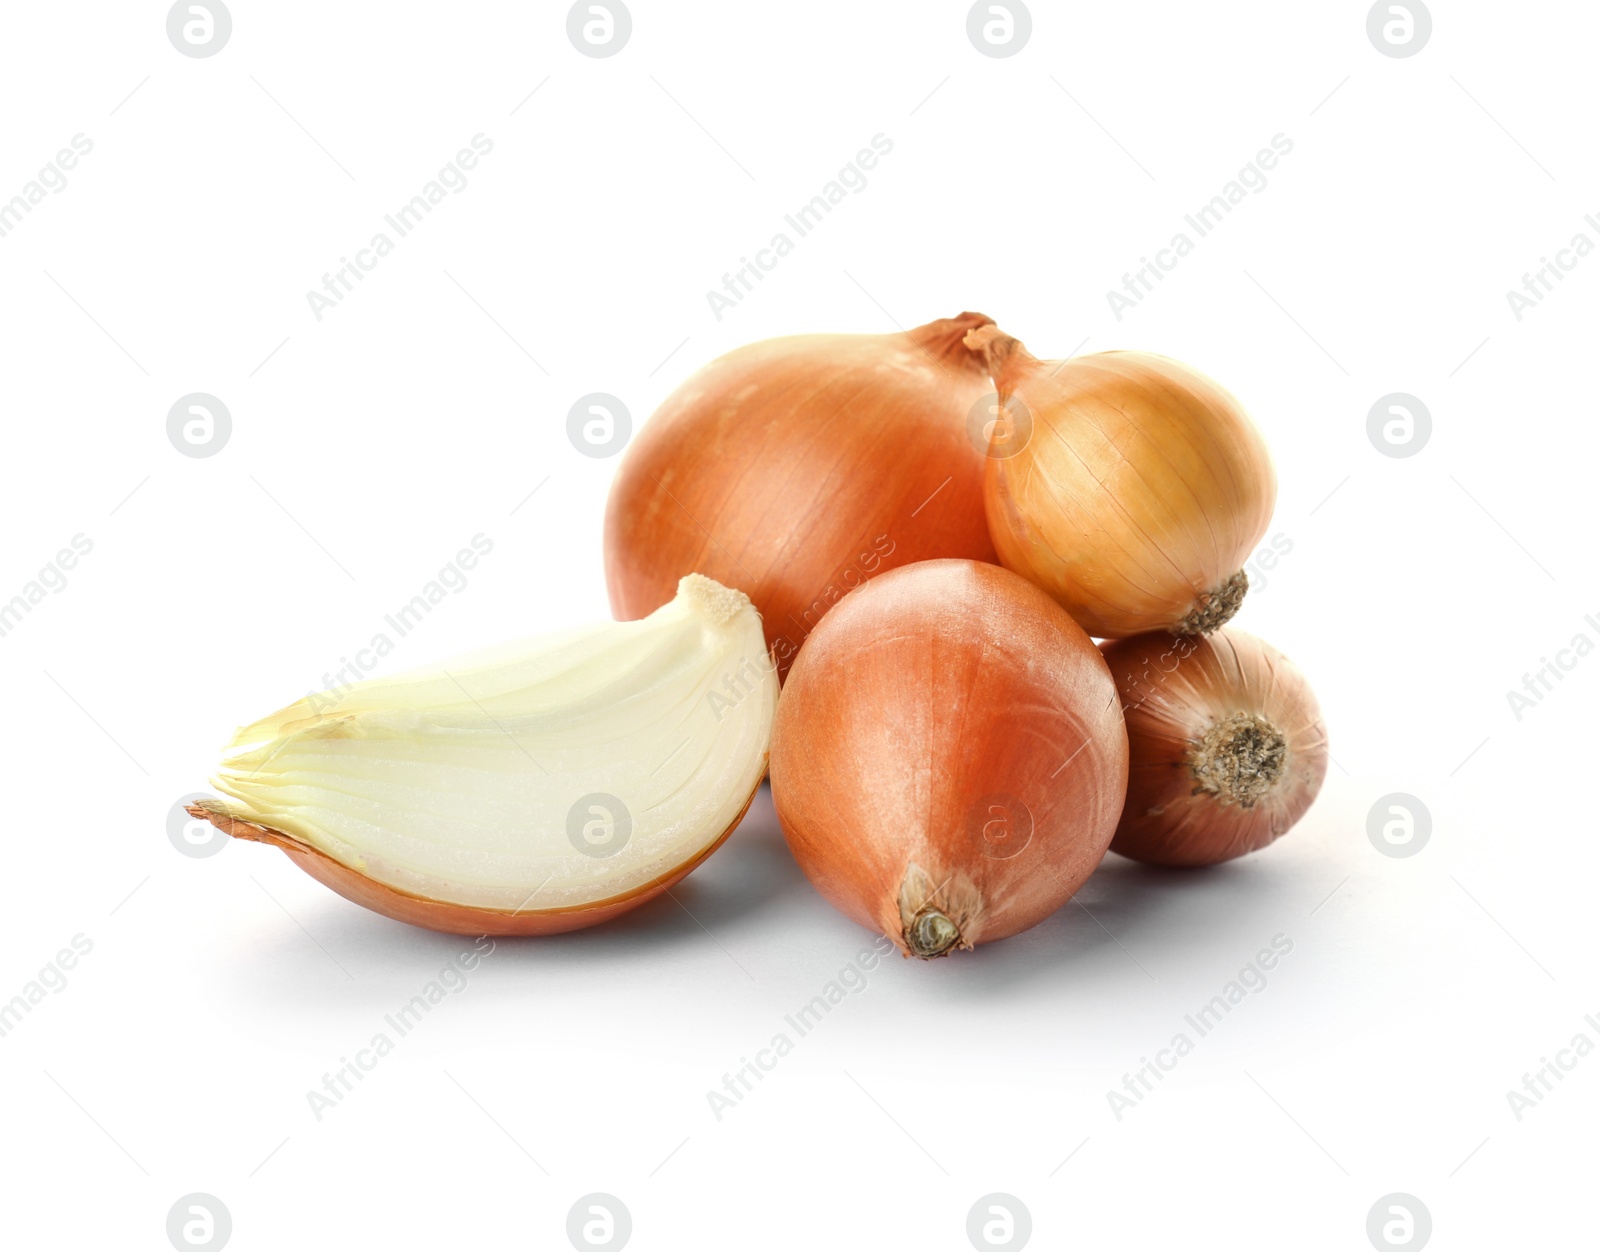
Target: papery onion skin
<point>1227,746</point>
<point>949,759</point>
<point>1133,488</point>
<point>795,469</point>
<point>448,918</point>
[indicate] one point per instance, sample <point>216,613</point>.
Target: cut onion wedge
<point>533,788</point>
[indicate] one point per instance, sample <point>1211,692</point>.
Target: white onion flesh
<point>455,782</point>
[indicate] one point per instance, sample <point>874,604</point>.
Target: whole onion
<point>949,758</point>
<point>1227,748</point>
<point>1129,486</point>
<point>795,469</point>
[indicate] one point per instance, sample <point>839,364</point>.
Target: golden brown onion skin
<point>797,468</point>
<point>1139,490</point>
<point>1177,691</point>
<point>948,745</point>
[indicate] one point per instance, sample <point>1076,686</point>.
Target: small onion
<point>1227,746</point>
<point>529,789</point>
<point>948,759</point>
<point>797,468</point>
<point>1129,486</point>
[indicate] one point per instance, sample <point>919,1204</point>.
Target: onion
<point>1130,487</point>
<point>948,759</point>
<point>797,468</point>
<point>1227,746</point>
<point>534,788</point>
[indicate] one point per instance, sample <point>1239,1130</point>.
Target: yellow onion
<point>948,760</point>
<point>1129,486</point>
<point>797,468</point>
<point>1227,748</point>
<point>533,788</point>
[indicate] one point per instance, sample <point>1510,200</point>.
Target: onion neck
<point>1215,607</point>
<point>946,340</point>
<point>1003,355</point>
<point>1239,760</point>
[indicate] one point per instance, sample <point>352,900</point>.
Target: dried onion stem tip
<point>931,934</point>
<point>1129,486</point>
<point>1216,607</point>
<point>1239,760</point>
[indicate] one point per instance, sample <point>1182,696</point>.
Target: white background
<point>371,445</point>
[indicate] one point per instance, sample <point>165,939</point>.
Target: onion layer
<point>1227,746</point>
<point>1129,486</point>
<point>797,468</point>
<point>948,759</point>
<point>529,789</point>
